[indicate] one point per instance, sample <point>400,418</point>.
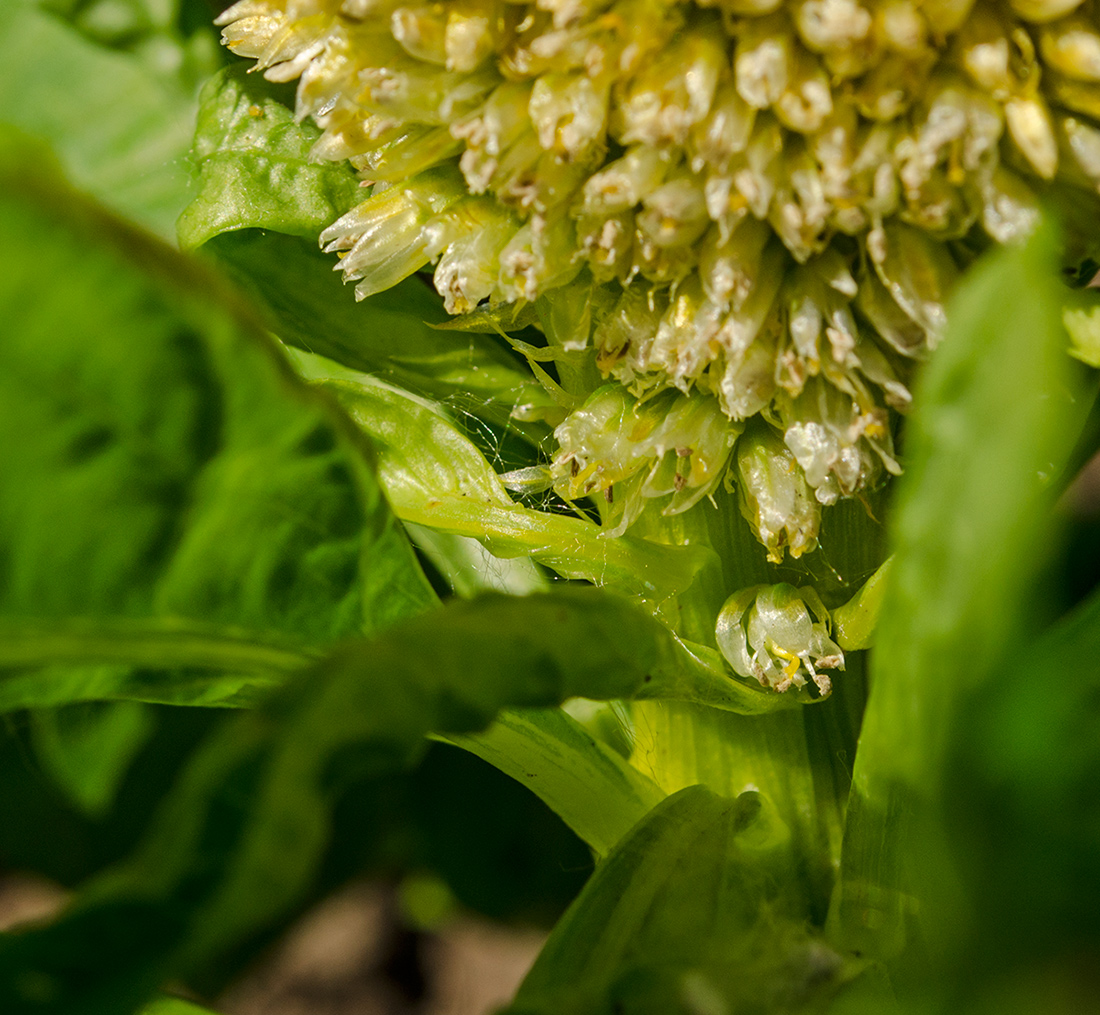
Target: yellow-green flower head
<point>769,198</point>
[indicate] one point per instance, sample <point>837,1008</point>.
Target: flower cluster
<point>671,447</point>
<point>771,198</point>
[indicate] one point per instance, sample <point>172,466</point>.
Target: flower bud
<point>410,152</point>
<point>672,448</point>
<point>774,496</point>
<point>492,131</point>
<point>673,93</point>
<point>674,213</point>
<point>384,236</point>
<point>624,337</point>
<point>779,634</point>
<point>569,112</point>
<point>1072,47</point>
<point>918,273</point>
<point>762,62</point>
<point>1042,11</point>
<point>623,183</point>
<point>841,445</point>
<point>468,238</point>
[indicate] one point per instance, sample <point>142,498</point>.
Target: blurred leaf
<point>174,1006</point>
<point>388,335</point>
<point>44,832</point>
<point>175,39</point>
<point>61,660</point>
<point>995,417</point>
<point>164,472</point>
<point>253,163</point>
<point>122,129</point>
<point>692,912</point>
<point>87,748</point>
<point>594,791</point>
<point>239,839</point>
<point>1025,815</point>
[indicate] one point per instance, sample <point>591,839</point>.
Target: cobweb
<point>507,450</point>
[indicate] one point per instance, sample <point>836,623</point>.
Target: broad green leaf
<point>388,335</point>
<point>122,130</point>
<point>692,912</point>
<point>254,168</point>
<point>587,784</point>
<point>161,464</point>
<point>237,843</point>
<point>87,748</point>
<point>995,417</point>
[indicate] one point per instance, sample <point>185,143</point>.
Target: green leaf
<point>854,623</point>
<point>692,912</point>
<point>122,129</point>
<point>995,417</point>
<point>237,843</point>
<point>175,39</point>
<point>388,335</point>
<point>253,164</point>
<point>162,465</point>
<point>87,748</point>
<point>469,568</point>
<point>174,1006</point>
<point>1024,814</point>
<point>587,784</point>
<point>167,660</point>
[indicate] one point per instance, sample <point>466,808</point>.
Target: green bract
<point>779,635</point>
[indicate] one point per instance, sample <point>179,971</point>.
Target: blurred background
<point>435,898</point>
